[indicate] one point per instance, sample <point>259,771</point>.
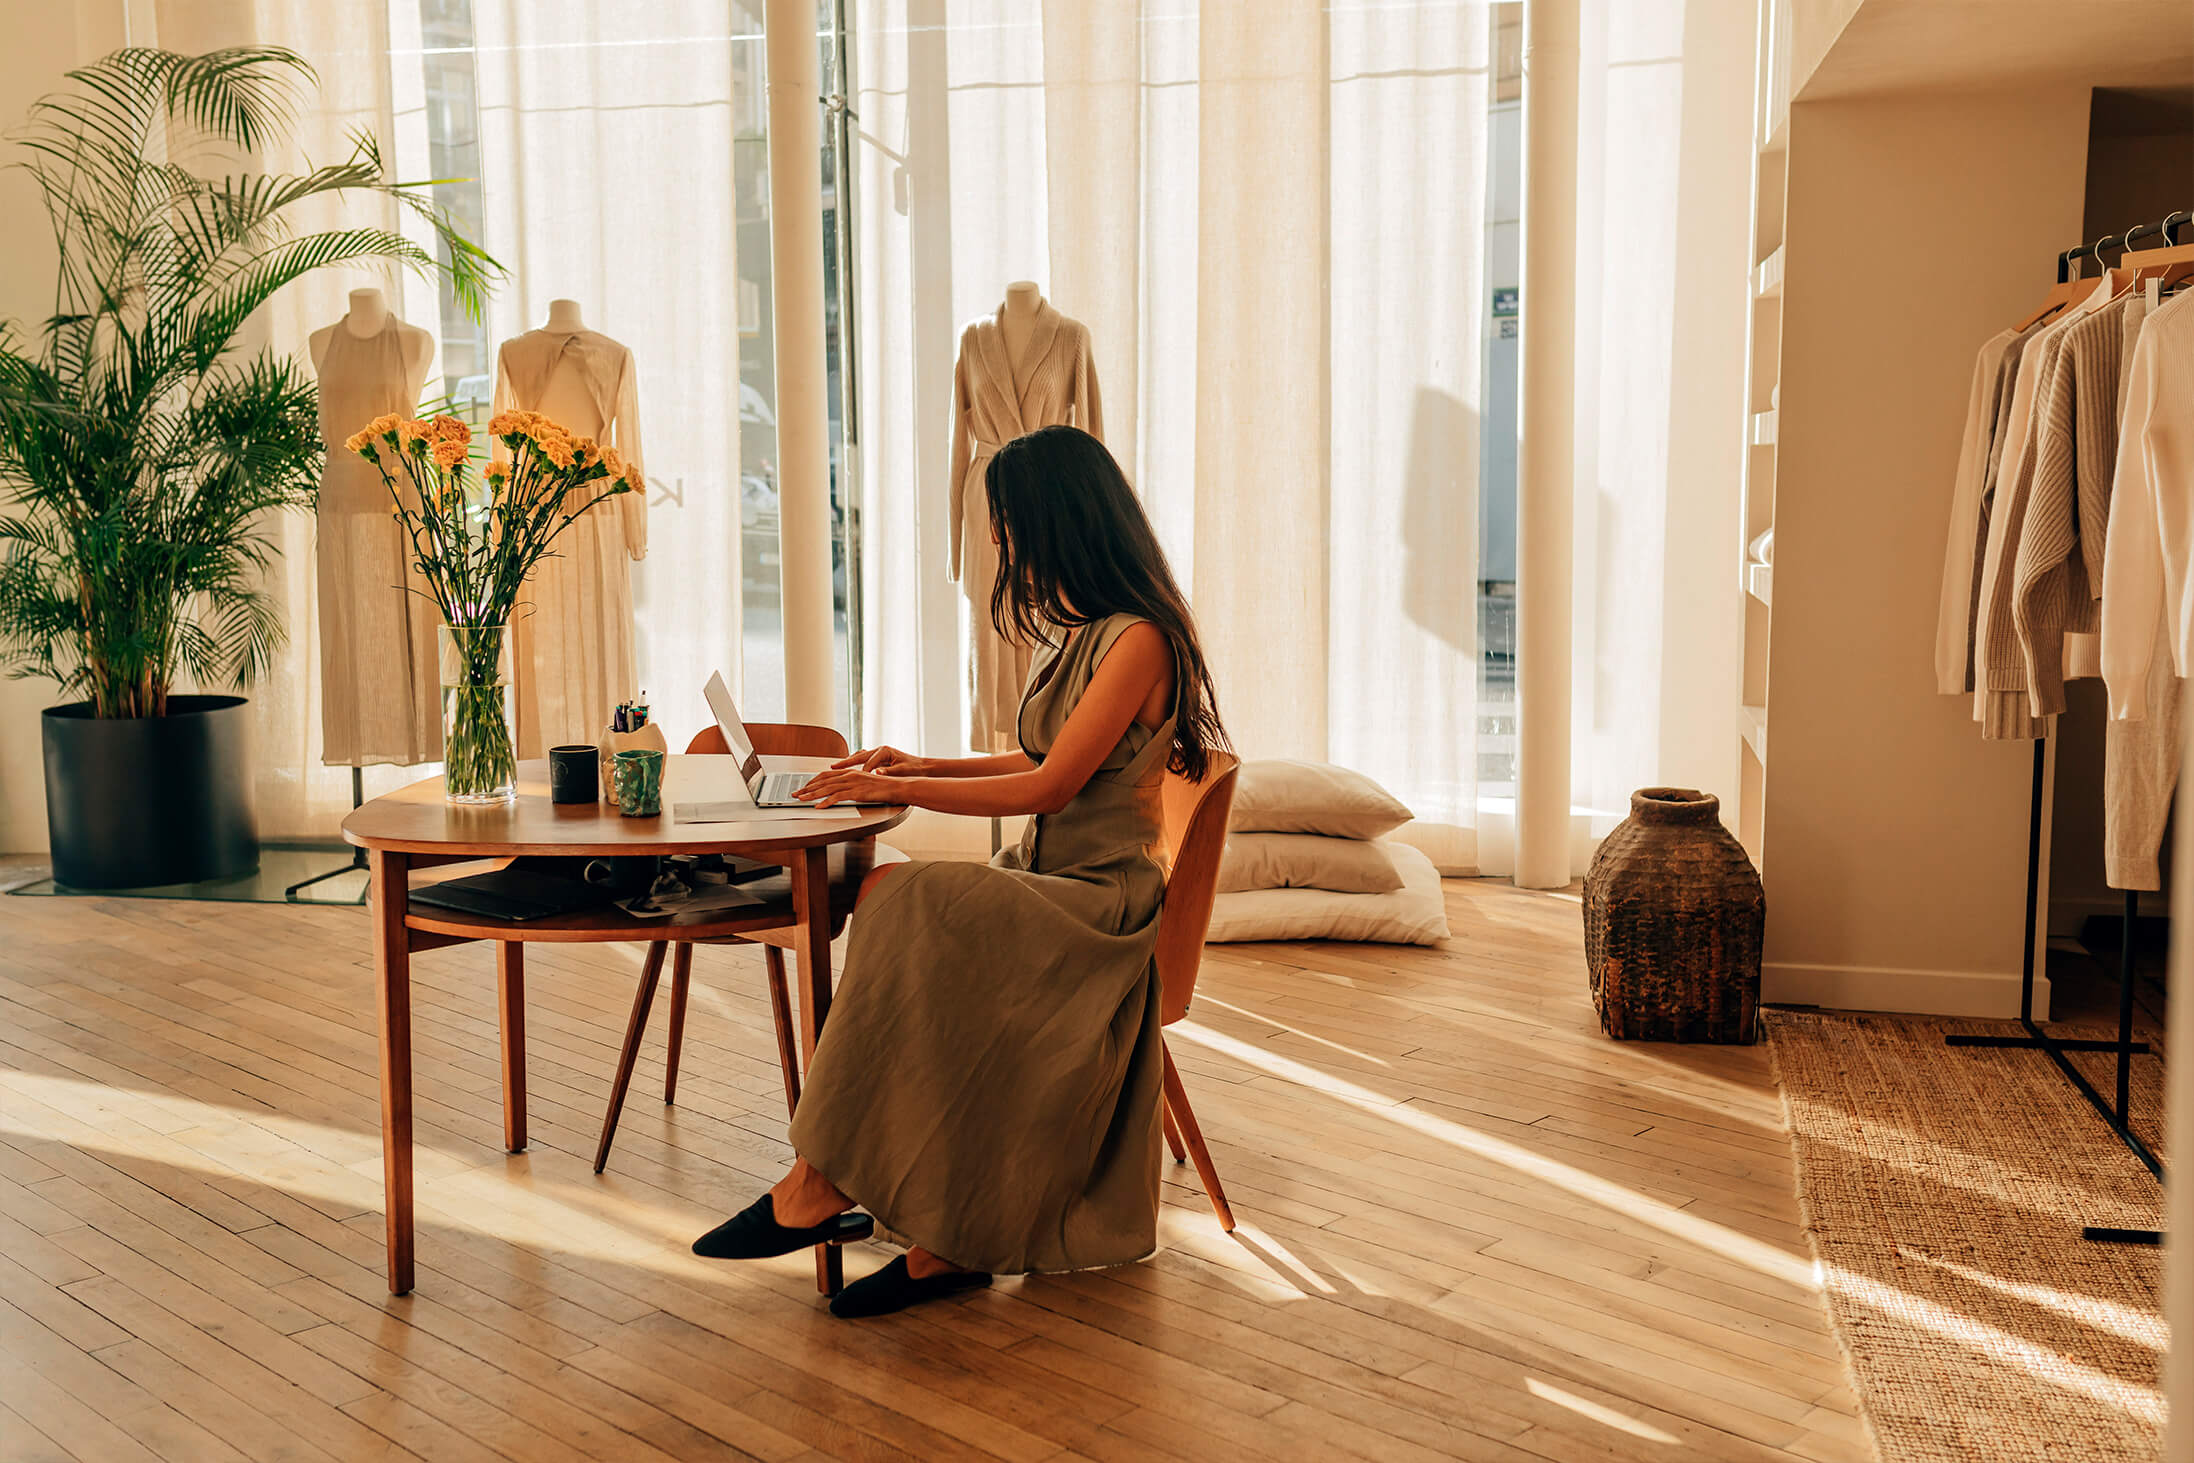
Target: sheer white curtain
<point>1664,175</point>
<point>1271,216</point>
<point>607,129</point>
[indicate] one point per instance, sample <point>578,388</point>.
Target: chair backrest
<point>1196,836</point>
<point>774,739</point>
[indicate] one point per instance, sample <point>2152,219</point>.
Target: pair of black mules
<point>754,1234</point>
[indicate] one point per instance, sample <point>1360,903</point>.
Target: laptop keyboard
<point>779,787</point>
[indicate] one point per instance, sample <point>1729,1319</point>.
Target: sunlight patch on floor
<point>1297,1031</point>
<point>2120,1320</point>
<point>1598,1412</point>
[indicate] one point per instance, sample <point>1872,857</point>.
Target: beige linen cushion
<point>1306,861</point>
<point>1414,914</point>
<point>1312,797</point>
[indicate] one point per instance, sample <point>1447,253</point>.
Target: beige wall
<point>43,42</point>
<point>1895,837</point>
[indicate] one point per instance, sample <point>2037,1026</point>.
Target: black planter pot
<point>135,802</point>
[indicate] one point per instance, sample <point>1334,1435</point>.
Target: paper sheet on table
<point>734,812</point>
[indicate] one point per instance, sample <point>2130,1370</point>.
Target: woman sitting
<point>988,1083</point>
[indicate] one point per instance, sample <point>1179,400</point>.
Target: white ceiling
<point>1991,45</point>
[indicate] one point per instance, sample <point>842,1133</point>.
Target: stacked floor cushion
<point>1307,859</point>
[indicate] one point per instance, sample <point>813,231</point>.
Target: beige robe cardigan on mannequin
<point>572,637</point>
<point>1057,386</point>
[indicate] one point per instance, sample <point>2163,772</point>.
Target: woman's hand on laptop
<point>844,784</point>
<point>889,761</point>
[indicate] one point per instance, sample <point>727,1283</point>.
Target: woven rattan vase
<point>1673,920</point>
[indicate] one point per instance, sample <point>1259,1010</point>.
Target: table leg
<point>811,955</point>
<point>391,877</point>
<point>510,994</point>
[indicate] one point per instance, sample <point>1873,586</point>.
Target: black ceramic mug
<point>575,774</point>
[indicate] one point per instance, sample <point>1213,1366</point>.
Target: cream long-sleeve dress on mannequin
<point>573,633</point>
<point>1056,385</point>
<point>380,693</point>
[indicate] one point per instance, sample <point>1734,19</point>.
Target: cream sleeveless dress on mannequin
<point>573,643</point>
<point>380,692</point>
<point>988,1082</point>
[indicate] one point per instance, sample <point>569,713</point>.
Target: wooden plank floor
<point>1471,1226</point>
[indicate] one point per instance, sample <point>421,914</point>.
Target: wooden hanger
<point>2070,289</point>
<point>2169,266</point>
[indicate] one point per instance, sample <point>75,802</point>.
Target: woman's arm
<point>892,761</point>
<point>1139,663</point>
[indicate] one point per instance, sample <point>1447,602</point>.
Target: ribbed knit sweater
<point>2068,502</point>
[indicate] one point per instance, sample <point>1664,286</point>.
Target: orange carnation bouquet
<point>475,537</point>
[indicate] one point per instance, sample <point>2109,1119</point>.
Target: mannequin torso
<point>564,318</point>
<point>1017,323</point>
<point>1023,367</point>
<point>368,316</point>
<point>380,700</point>
<point>574,639</point>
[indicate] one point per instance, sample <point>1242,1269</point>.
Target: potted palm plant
<point>142,450</point>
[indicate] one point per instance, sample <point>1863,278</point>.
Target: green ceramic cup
<point>637,782</point>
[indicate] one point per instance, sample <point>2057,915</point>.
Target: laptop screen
<point>735,730</point>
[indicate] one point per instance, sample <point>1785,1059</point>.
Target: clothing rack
<point>2116,1114</point>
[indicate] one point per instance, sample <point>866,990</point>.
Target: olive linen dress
<point>988,1081</point>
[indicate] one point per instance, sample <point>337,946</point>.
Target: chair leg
<point>650,972</point>
<point>780,1006</point>
<point>1193,1137</point>
<point>681,971</point>
<point>1173,1134</point>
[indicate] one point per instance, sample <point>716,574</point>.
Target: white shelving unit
<point>1752,726</point>
<point>1763,351</point>
<point>1767,279</point>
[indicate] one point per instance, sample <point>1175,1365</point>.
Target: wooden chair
<point>771,739</point>
<point>1195,821</point>
<point>1196,835</point>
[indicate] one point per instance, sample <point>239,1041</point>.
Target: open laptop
<point>771,781</point>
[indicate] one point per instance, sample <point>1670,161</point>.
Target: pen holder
<point>648,738</point>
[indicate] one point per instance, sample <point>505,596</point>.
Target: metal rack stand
<point>2118,1116</point>
<point>357,855</point>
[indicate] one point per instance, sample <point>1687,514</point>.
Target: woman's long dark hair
<point>1075,547</point>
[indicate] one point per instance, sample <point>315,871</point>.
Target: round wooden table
<point>824,859</point>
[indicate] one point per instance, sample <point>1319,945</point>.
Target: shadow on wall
<point>1440,518</point>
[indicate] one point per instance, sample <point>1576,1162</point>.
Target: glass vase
<point>479,753</point>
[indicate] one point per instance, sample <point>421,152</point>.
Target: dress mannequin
<point>379,689</point>
<point>573,634</point>
<point>1025,367</point>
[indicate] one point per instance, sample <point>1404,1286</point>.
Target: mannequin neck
<point>563,317</point>
<point>1023,299</point>
<point>369,311</point>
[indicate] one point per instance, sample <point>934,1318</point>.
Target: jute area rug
<point>1945,1189</point>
